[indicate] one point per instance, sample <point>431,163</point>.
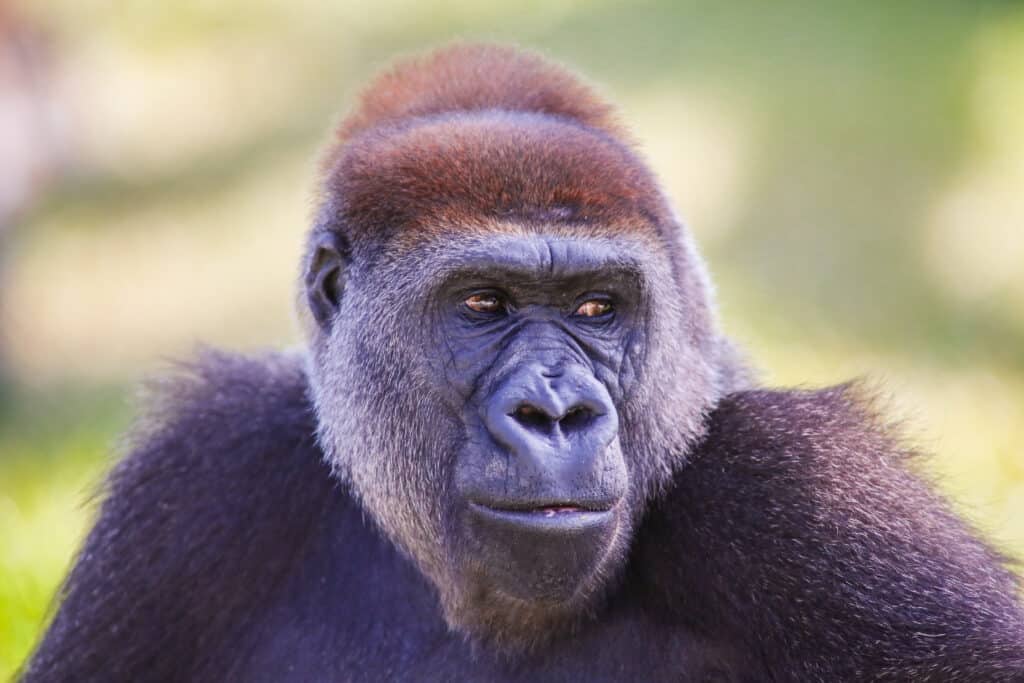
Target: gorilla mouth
<point>559,517</point>
<point>547,510</point>
<point>553,510</point>
<point>544,510</point>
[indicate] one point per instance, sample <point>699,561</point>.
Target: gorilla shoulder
<point>222,417</point>
<point>207,511</point>
<point>802,519</point>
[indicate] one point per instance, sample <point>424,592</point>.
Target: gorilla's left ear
<point>324,279</point>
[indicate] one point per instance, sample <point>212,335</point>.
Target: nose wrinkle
<point>551,344</point>
<point>544,398</point>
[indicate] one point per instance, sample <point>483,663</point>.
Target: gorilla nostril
<point>536,419</point>
<point>531,417</point>
<point>576,419</point>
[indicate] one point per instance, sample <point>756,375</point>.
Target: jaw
<point>522,585</point>
<point>539,557</point>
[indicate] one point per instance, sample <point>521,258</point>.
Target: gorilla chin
<point>546,555</point>
<point>530,575</point>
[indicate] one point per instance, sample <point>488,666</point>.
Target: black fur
<point>795,546</point>
<point>800,532</point>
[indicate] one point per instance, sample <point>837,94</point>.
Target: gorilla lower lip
<point>566,518</point>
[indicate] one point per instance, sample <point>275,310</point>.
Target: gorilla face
<point>483,396</point>
<point>535,333</point>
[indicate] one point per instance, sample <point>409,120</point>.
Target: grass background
<point>854,172</point>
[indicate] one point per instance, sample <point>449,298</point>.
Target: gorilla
<point>515,447</point>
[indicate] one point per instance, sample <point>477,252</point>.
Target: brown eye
<point>485,303</point>
<point>594,308</point>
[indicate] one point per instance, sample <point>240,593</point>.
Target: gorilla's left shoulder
<point>780,428</point>
<point>806,523</point>
<point>781,450</point>
<point>796,467</point>
<point>786,468</point>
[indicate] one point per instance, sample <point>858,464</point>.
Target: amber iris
<point>485,303</point>
<point>594,308</point>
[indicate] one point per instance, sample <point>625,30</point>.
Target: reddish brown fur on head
<point>471,133</point>
<point>474,77</point>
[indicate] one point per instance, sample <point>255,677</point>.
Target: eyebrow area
<point>538,258</point>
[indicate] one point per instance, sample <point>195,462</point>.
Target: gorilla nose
<point>545,420</point>
<point>538,413</point>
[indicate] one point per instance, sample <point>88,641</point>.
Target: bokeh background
<point>853,170</point>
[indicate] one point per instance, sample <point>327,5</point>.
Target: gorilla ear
<point>325,276</point>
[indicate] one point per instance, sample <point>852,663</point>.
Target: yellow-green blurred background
<point>853,170</point>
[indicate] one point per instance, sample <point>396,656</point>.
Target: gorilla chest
<point>354,610</point>
<point>620,650</point>
<point>396,633</point>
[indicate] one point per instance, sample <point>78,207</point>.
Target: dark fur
<point>809,539</point>
<point>796,546</point>
<point>295,517</point>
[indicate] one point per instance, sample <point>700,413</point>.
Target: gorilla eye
<point>485,302</point>
<point>594,308</point>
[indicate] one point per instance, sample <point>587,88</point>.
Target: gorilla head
<point>512,340</point>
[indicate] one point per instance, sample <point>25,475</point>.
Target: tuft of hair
<point>478,131</point>
<point>467,77</point>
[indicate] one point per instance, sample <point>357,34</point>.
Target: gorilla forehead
<point>455,169</point>
<point>518,252</point>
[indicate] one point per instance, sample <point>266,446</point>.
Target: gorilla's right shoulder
<point>223,438</point>
<point>216,500</point>
<point>222,413</point>
<point>222,429</point>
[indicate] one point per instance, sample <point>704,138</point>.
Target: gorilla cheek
<point>395,448</point>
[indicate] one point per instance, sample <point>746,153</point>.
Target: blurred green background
<point>853,170</point>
